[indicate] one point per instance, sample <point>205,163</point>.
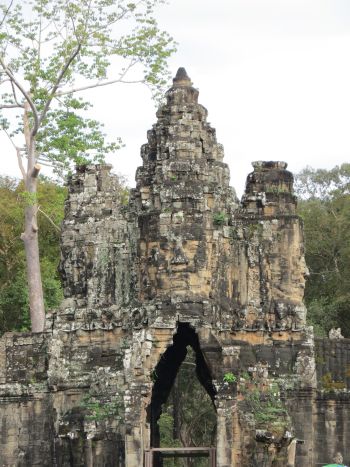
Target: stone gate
<point>184,263</point>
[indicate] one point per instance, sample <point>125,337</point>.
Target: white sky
<point>273,74</point>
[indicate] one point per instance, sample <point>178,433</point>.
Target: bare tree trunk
<point>30,238</point>
<point>31,247</point>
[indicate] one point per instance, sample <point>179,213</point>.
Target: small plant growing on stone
<point>104,258</point>
<point>245,375</point>
<point>99,410</point>
<point>230,377</point>
<point>253,229</point>
<point>219,218</point>
<point>329,384</point>
<point>266,405</point>
<point>234,234</point>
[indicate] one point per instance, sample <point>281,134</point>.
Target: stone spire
<point>182,197</point>
<point>182,78</point>
<point>269,190</point>
<point>182,91</point>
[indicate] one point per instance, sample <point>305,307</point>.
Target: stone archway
<point>167,369</point>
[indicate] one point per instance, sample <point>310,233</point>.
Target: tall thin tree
<point>50,50</point>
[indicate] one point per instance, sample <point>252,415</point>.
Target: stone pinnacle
<point>182,78</point>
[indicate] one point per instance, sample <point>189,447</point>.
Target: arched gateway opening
<point>182,411</point>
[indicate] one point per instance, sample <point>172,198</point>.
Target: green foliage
<point>29,199</point>
<point>99,410</point>
<point>265,404</point>
<point>103,258</point>
<point>328,384</point>
<point>325,209</point>
<point>50,49</point>
<point>230,378</point>
<point>253,229</point>
<point>219,218</point>
<point>268,407</point>
<point>322,315</point>
<point>70,138</point>
<point>245,376</point>
<point>322,184</point>
<point>14,306</point>
<point>166,429</point>
<point>60,27</point>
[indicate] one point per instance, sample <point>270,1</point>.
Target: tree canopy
<point>51,49</point>
<point>14,301</point>
<point>324,206</point>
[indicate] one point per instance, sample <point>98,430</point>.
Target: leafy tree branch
<point>49,50</point>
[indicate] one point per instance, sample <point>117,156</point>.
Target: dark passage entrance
<point>182,411</point>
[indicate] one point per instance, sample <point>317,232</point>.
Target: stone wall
<point>183,264</point>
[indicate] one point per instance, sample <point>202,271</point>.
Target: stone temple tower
<point>183,263</point>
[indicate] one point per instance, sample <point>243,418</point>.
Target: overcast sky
<point>274,76</point>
